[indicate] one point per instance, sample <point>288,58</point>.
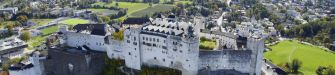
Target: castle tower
<point>256,44</point>
<point>132,48</point>
<point>193,52</point>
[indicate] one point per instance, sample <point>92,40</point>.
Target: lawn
<point>74,21</point>
<point>208,44</point>
<point>132,7</point>
<point>178,1</point>
<point>40,22</point>
<point>104,12</point>
<point>38,40</point>
<point>151,10</point>
<point>50,30</point>
<point>311,56</point>
<point>183,2</point>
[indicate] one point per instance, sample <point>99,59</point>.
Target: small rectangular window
<point>174,49</point>
<point>164,47</point>
<point>154,45</point>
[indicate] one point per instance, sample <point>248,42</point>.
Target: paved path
<point>52,23</point>
<point>292,51</point>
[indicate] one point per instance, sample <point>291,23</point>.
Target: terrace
<point>207,44</point>
<point>11,43</point>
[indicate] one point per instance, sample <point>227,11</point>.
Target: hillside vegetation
<point>311,56</point>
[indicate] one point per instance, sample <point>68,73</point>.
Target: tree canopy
<point>329,70</point>
<point>118,35</point>
<point>294,66</point>
<point>25,36</point>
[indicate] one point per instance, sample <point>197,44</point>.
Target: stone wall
<point>94,42</point>
<point>238,60</point>
<point>61,61</point>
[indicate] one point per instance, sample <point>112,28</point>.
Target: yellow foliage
<point>118,35</point>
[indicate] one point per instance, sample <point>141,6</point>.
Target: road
<point>52,23</point>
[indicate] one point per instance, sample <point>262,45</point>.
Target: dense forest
<point>318,32</point>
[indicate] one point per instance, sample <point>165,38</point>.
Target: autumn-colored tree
<point>22,18</point>
<point>10,28</point>
<point>118,35</point>
<point>25,36</point>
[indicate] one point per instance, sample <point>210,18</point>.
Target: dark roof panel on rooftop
<point>136,21</point>
<point>96,29</point>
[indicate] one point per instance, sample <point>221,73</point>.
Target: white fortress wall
<point>238,60</point>
<point>80,39</point>
<point>257,47</point>
<point>169,51</point>
<point>132,48</point>
<point>115,49</point>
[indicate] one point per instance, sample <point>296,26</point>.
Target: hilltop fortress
<point>169,41</point>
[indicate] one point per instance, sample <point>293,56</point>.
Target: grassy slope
<point>103,11</point>
<point>38,40</point>
<point>210,44</point>
<point>75,21</point>
<point>183,2</point>
<point>50,30</point>
<point>40,22</point>
<point>132,7</point>
<point>149,11</point>
<point>97,10</point>
<point>311,56</point>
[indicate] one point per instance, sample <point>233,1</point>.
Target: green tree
<point>329,70</point>
<point>301,32</point>
<point>280,28</point>
<point>22,18</point>
<point>172,1</point>
<point>150,4</point>
<point>294,66</point>
<point>275,19</point>
<point>117,4</point>
<point>319,70</point>
<point>105,19</point>
<point>25,36</point>
<point>100,20</point>
<point>333,11</point>
<point>5,16</point>
<point>10,28</point>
